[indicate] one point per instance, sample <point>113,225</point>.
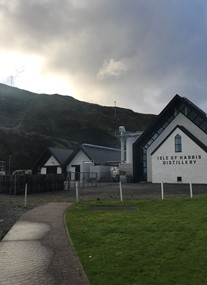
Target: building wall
<point>78,160</point>
<point>101,171</point>
<point>85,166</point>
<point>190,164</point>
<point>179,120</point>
<point>51,162</point>
<point>129,149</point>
<point>43,170</point>
<point>127,168</point>
<point>59,170</point>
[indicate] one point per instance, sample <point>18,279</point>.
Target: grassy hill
<point>30,122</point>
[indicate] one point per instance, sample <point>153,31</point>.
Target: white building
<point>87,160</point>
<point>174,147</point>
<point>93,160</point>
<point>127,139</point>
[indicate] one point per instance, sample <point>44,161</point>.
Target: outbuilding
<point>53,161</point>
<point>92,159</point>
<point>174,147</point>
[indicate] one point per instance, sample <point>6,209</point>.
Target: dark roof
<point>189,134</point>
<point>176,104</point>
<point>101,155</point>
<point>61,154</point>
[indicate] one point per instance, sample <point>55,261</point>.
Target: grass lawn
<point>162,242</point>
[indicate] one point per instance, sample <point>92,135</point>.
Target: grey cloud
<point>140,52</point>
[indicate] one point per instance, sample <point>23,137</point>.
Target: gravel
<point>9,214</point>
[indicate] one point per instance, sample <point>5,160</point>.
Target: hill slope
<point>29,123</point>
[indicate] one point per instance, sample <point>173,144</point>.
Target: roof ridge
<point>99,146</point>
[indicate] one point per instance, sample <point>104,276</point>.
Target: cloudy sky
<point>137,53</point>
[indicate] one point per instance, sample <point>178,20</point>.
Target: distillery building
<point>174,147</point>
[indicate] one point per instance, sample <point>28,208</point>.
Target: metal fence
<point>15,184</point>
<point>85,179</point>
<point>88,179</point>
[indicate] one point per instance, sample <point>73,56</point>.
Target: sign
<point>179,159</point>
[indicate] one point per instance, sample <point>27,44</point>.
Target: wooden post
<point>76,190</point>
<point>25,195</point>
<point>191,190</point>
<point>162,190</point>
<point>120,188</point>
<point>69,178</point>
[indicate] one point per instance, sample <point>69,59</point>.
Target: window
<point>179,179</point>
<point>192,115</point>
<point>178,143</point>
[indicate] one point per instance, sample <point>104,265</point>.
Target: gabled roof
<point>61,154</point>
<point>101,155</point>
<point>189,134</point>
<point>177,105</point>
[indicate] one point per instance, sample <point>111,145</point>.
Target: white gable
<point>179,120</point>
<point>189,165</point>
<point>52,162</point>
<point>78,160</point>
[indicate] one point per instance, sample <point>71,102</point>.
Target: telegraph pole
<point>11,78</point>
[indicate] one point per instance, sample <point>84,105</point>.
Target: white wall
<point>52,162</point>
<point>43,170</point>
<point>127,168</point>
<point>129,149</point>
<point>190,164</point>
<point>59,170</point>
<point>101,170</point>
<point>78,160</point>
<point>85,166</point>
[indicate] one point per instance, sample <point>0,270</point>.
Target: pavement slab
<point>37,250</point>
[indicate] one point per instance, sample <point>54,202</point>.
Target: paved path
<point>36,250</point>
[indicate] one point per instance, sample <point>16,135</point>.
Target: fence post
<point>162,190</point>
<point>120,188</point>
<point>25,195</point>
<point>68,180</point>
<point>96,177</point>
<point>15,184</point>
<point>76,191</point>
<point>191,190</point>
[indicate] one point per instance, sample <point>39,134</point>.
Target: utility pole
<point>115,110</point>
<point>11,78</point>
<point>115,124</point>
<point>17,73</point>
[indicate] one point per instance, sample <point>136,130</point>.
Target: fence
<point>15,184</point>
<point>135,191</point>
<point>85,179</point>
<point>88,179</point>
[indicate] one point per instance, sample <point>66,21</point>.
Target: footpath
<point>37,250</point>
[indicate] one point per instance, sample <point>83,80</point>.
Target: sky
<point>135,54</point>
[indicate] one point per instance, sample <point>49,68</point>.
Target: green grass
<point>163,242</point>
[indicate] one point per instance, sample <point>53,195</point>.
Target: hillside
<point>29,123</point>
